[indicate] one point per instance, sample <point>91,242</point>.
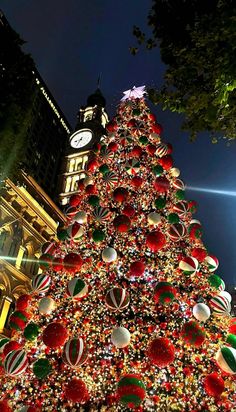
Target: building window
<point>3,237</point>
<point>24,258</point>
<point>34,266</point>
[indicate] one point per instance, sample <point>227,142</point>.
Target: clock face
<point>81,138</point>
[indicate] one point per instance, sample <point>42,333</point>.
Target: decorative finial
<point>99,81</point>
<point>135,93</point>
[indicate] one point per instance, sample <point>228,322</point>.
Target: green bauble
<point>62,234</point>
<point>173,218</point>
<point>31,331</point>
<point>160,203</point>
<point>157,170</point>
<point>104,169</point>
<point>42,368</point>
<point>98,235</point>
<point>180,194</point>
<point>143,140</point>
<point>215,281</point>
<point>136,112</point>
<point>93,200</point>
<point>231,340</point>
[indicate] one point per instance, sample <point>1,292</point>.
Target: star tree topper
<point>135,93</point>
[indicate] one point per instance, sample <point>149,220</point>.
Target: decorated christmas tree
<point>127,312</point>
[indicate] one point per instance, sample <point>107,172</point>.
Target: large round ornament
<point>80,217</point>
<point>212,263</point>
<point>166,162</point>
<point>23,302</point>
<point>122,223</point>
<point>155,240</point>
<point>226,295</point>
<point>111,178</point>
<point>161,184</point>
<point>193,334</point>
<point>231,340</point>
<point>72,262</point>
<point>131,390</point>
<point>77,288</point>
<point>46,305</point>
<point>175,172</point>
<point>226,359</point>
<point>189,265</point>
<point>154,218</point>
<point>18,320</point>
<point>181,208</point>
<point>31,331</point>
<point>15,362</point>
<point>201,312</point>
<point>220,306</point>
<point>3,342</point>
<point>75,231</point>
<point>75,199</point>
<point>4,406</point>
<point>41,283</point>
<point>214,385</point>
<point>120,194</point>
<point>216,282</point>
<point>75,352</point>
<point>45,261</point>
<point>164,293</point>
<point>10,346</point>
<point>117,299</point>
<point>120,337</point>
<point>49,247</point>
<point>42,368</point>
<point>55,335</point>
<point>177,232</point>
<point>76,391</point>
<point>161,352</point>
<point>162,149</point>
<point>178,184</point>
<point>137,268</point>
<point>109,255</point>
<point>101,214</point>
<point>132,166</point>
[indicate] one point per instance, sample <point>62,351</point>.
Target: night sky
<point>73,41</point>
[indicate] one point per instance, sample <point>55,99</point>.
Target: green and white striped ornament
<point>220,306</point>
<point>3,342</point>
<point>77,288</point>
<point>226,359</point>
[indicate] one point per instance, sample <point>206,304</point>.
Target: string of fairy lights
<point>117,207</point>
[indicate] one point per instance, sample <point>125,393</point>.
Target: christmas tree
<point>128,312</point>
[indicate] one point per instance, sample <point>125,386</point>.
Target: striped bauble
<point>212,263</point>
<point>177,232</point>
<point>75,231</point>
<point>15,362</point>
<point>178,184</point>
<point>131,390</point>
<point>189,265</point>
<point>162,149</point>
<point>40,283</point>
<point>77,288</point>
<point>117,299</point>
<point>3,342</point>
<point>75,352</point>
<point>164,293</point>
<point>220,305</point>
<point>226,359</point>
<point>181,208</point>
<point>101,214</point>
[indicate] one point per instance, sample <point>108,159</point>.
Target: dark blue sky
<point>72,41</point>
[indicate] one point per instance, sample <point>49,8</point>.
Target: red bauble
<point>136,181</point>
<point>111,126</point>
<point>113,147</point>
<point>131,123</point>
<point>152,117</point>
<point>161,184</point>
<point>232,329</point>
<point>80,184</point>
<point>157,128</point>
<point>136,151</point>
<point>75,200</point>
<point>193,334</point>
<point>122,223</point>
<point>128,211</point>
<point>55,335</point>
<point>166,162</point>
<point>92,165</point>
<point>72,262</point>
<point>22,302</point>
<point>76,391</point>
<point>137,268</point>
<point>10,346</point>
<point>199,253</point>
<point>161,352</point>
<point>155,240</point>
<point>214,385</point>
<point>90,190</point>
<point>45,261</point>
<point>120,194</point>
<point>151,148</point>
<point>4,407</point>
<point>57,264</point>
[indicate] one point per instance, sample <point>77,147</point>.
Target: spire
<point>97,97</point>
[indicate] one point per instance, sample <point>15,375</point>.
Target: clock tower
<point>90,129</point>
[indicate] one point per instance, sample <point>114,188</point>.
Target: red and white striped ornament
<point>162,149</point>
<point>212,263</point>
<point>178,184</point>
<point>189,265</point>
<point>132,166</point>
<point>117,299</point>
<point>75,231</point>
<point>177,232</point>
<point>15,362</point>
<point>220,306</point>
<point>41,283</point>
<point>75,352</point>
<point>181,208</point>
<point>49,247</point>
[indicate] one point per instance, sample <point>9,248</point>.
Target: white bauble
<point>155,136</point>
<point>175,172</point>
<point>201,312</point>
<point>226,295</point>
<point>120,337</point>
<point>80,217</point>
<point>88,181</point>
<point>109,254</point>
<point>154,218</point>
<point>46,306</point>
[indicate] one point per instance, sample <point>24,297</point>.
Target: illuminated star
<point>135,92</point>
